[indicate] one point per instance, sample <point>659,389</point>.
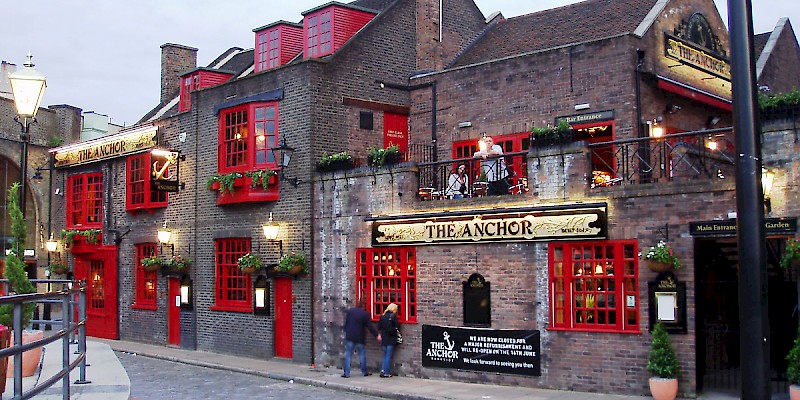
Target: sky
<point>104,56</point>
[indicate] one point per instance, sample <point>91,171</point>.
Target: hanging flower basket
<point>660,258</point>
<point>249,263</point>
<point>658,266</point>
<point>293,264</point>
<point>58,267</point>
<point>151,264</point>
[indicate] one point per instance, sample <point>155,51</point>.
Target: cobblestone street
<point>154,379</point>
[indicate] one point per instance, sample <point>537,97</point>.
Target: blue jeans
<point>348,354</point>
<point>386,367</point>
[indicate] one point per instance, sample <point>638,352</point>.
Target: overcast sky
<point>104,56</point>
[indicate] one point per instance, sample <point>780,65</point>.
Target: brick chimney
<point>175,59</point>
<point>429,54</point>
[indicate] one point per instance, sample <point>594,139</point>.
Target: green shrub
<point>662,361</point>
<point>793,362</point>
<point>15,266</point>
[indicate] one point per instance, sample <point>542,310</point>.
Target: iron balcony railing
<point>686,156</point>
<point>73,304</point>
<point>498,175</point>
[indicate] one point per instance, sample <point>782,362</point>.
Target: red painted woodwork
<point>233,288</point>
<point>247,133</point>
<point>277,44</point>
<point>84,200</point>
<point>283,317</point>
<point>395,131</point>
<point>245,193</point>
<point>196,80</point>
<point>344,23</point>
<point>98,266</point>
<point>174,311</point>
<point>138,194</point>
<point>696,94</point>
<point>385,276</point>
<point>146,281</point>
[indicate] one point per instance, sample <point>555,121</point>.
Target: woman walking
<point>389,328</point>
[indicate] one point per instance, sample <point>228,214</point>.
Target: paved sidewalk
<point>396,387</point>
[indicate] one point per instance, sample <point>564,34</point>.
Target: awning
<point>687,91</point>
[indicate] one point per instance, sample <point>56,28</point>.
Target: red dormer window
<point>277,44</point>
<point>327,29</point>
<point>196,80</point>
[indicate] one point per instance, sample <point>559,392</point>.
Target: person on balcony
<point>494,167</point>
<point>458,183</point>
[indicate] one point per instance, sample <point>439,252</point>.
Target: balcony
<point>499,175</point>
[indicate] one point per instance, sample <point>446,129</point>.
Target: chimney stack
<point>175,60</point>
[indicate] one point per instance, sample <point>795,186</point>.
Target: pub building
<point>540,286</point>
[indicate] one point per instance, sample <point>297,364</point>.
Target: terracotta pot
<point>152,267</point>
<point>794,392</point>
<point>657,266</point>
<point>295,270</point>
<point>663,388</point>
<point>30,358</point>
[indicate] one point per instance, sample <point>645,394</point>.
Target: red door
<point>98,267</point>
<point>283,317</point>
<point>174,311</point>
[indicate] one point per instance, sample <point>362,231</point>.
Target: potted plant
<point>293,264</point>
<point>152,263</point>
<point>659,258</point>
<point>380,157</point>
<point>793,368</point>
<point>551,135</point>
<point>663,364</point>
<point>226,182</point>
<point>335,162</point>
<point>791,255</point>
<point>249,263</point>
<point>262,177</point>
<point>58,267</point>
<point>178,264</point>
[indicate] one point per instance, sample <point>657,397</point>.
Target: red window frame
<point>146,294</point>
<point>240,151</point>
<point>189,84</point>
<point>388,275</point>
<point>274,48</point>
<point>138,192</point>
<point>319,34</point>
<point>233,288</point>
<point>511,143</point>
<point>262,51</point>
<point>604,271</point>
<point>85,201</point>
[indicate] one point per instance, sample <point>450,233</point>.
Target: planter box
<point>543,140</point>
<point>243,192</point>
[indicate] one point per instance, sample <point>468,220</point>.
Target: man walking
<point>354,323</point>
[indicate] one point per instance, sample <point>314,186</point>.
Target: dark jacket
<point>355,321</point>
<point>388,326</point>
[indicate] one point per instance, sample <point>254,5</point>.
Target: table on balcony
<point>428,194</point>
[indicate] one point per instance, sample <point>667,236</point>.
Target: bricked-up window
<point>139,195</point>
<point>246,136</point>
<point>85,201</point>
<point>594,286</point>
<point>387,276</point>
<point>319,35</point>
<point>233,287</point>
<point>146,281</point>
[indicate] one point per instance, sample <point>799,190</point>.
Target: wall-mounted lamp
<point>51,244</point>
<point>271,230</point>
<point>186,293</point>
<point>164,235</point>
<point>672,108</point>
<point>711,144</point>
<point>261,296</point>
<point>282,156</point>
<point>582,106</point>
<point>767,178</point>
<point>655,129</point>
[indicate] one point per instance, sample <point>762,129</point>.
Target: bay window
<point>247,133</point>
<point>139,194</point>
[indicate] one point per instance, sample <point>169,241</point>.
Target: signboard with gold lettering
<point>576,221</point>
<point>772,226</point>
<point>690,54</point>
<point>106,147</point>
<point>164,171</point>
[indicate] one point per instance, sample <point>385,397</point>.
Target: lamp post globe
<point>27,88</point>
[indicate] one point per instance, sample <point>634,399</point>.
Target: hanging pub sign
<point>694,43</point>
<point>105,147</point>
<point>161,179</point>
<point>564,222</point>
<point>503,351</point>
<point>772,226</point>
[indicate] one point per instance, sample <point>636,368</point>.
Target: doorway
<point>174,311</point>
<point>98,266</point>
<point>283,317</point>
<point>717,305</point>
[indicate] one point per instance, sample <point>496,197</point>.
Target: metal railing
<point>438,181</point>
<point>684,156</point>
<point>72,299</point>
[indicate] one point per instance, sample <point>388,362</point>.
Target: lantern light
<point>51,244</point>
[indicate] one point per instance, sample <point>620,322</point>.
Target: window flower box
<point>246,187</point>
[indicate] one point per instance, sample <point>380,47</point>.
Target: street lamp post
<point>27,87</point>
